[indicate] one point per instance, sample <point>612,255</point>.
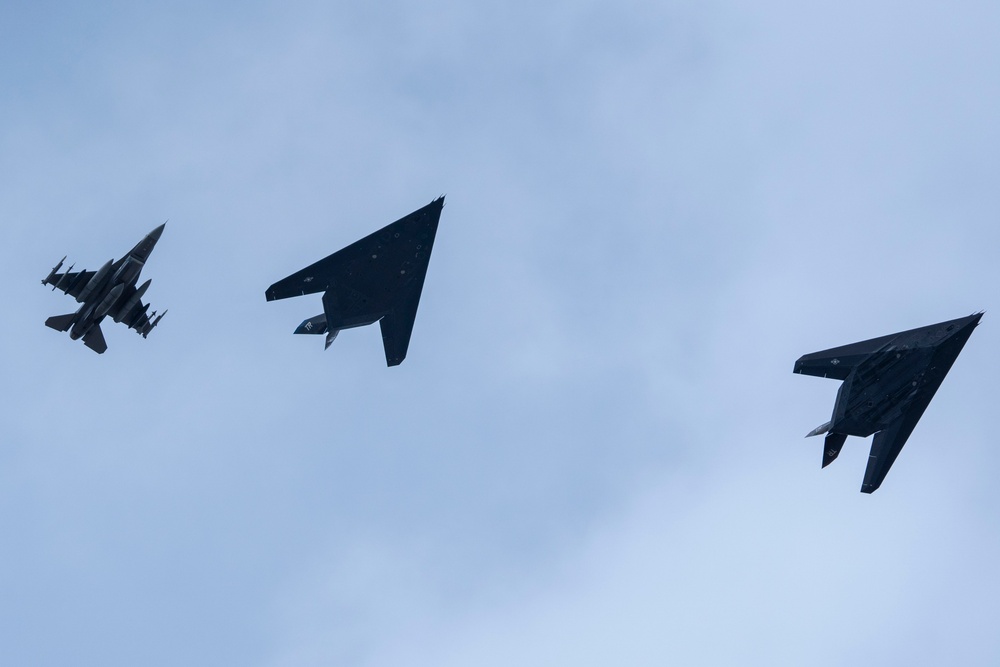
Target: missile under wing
<point>111,290</point>
<point>888,383</point>
<point>377,279</point>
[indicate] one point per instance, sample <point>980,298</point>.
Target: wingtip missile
<point>63,278</point>
<point>152,325</point>
<point>52,273</point>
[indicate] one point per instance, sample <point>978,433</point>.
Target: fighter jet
<point>376,279</point>
<point>888,383</point>
<point>110,291</point>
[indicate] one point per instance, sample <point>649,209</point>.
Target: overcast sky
<point>593,453</point>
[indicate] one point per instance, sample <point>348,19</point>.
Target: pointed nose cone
<point>144,247</point>
<point>958,333</point>
<point>961,329</point>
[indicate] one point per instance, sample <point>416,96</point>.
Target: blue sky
<point>593,453</point>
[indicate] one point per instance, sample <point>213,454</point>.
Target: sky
<point>593,453</point>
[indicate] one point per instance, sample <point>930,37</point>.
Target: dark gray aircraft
<point>111,291</point>
<point>376,279</point>
<point>888,383</point>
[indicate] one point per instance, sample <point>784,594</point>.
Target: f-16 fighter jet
<point>110,291</point>
<point>888,383</point>
<point>376,279</point>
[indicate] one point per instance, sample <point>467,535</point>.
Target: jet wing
<point>838,362</point>
<point>314,278</point>
<point>136,318</point>
<point>397,326</point>
<point>352,261</point>
<point>70,282</point>
<point>889,442</point>
<point>886,446</point>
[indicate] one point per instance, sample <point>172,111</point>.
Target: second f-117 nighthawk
<point>377,279</point>
<point>888,383</point>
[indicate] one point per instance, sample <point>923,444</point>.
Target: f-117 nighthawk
<point>888,383</point>
<point>377,279</point>
<point>110,291</point>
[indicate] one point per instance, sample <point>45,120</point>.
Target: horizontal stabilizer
<point>95,339</point>
<point>60,322</point>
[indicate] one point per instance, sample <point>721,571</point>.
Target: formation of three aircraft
<point>887,382</point>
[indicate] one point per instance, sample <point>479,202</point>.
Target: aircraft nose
<point>155,234</point>
<point>962,329</point>
<point>971,322</point>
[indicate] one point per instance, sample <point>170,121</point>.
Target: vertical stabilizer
<point>832,445</point>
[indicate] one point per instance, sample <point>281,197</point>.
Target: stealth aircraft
<point>110,290</point>
<point>888,383</point>
<point>377,279</point>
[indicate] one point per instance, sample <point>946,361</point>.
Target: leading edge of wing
<point>837,362</point>
<point>316,277</point>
